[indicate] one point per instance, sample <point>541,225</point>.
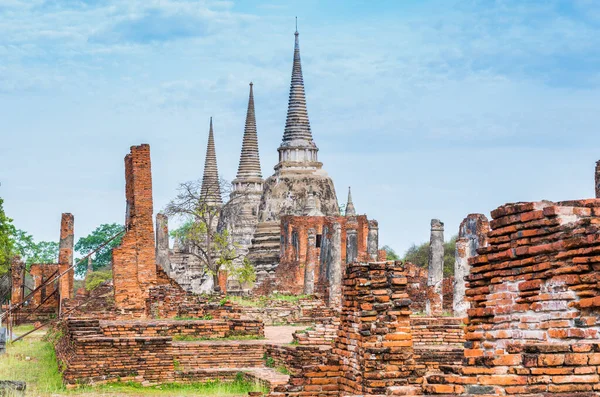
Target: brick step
<point>211,355</point>
<point>266,376</point>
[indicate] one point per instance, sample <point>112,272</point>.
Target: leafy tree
<point>32,252</point>
<point>419,255</point>
<point>391,255</point>
<point>102,258</point>
<point>206,230</point>
<point>7,232</point>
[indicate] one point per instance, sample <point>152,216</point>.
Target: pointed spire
<point>249,167</point>
<point>211,191</point>
<point>297,126</point>
<point>350,211</point>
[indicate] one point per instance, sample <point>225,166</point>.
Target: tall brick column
<point>598,179</point>
<point>17,274</point>
<point>374,341</point>
<point>434,303</point>
<point>65,257</point>
<point>311,262</point>
<point>162,242</point>
<point>134,261</point>
<point>472,235</point>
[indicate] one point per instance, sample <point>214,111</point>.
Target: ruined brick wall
<point>323,332</point>
<point>534,321</point>
<point>438,331</point>
<point>134,261</point>
<point>314,370</point>
<point>417,288</point>
<point>42,273</point>
<point>95,358</point>
<point>65,257</point>
<point>193,328</point>
<point>375,345</point>
<point>289,276</point>
<point>168,301</point>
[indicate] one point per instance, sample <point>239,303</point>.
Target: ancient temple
<point>186,268</point>
<point>240,214</point>
<point>297,173</point>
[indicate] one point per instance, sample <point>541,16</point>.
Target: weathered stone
<point>373,240</point>
<point>162,242</point>
<point>335,269</point>
<point>472,235</point>
<point>311,262</point>
<point>434,305</point>
<point>298,172</point>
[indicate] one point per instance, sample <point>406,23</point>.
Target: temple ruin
<point>519,317</point>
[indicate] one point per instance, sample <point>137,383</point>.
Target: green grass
<point>192,338</point>
<point>33,360</point>
<point>263,300</point>
<point>205,317</point>
<point>283,370</point>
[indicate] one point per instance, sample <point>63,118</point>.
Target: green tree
<point>102,258</point>
<point>390,254</point>
<point>32,252</point>
<point>7,232</point>
<point>419,255</point>
<point>205,233</point>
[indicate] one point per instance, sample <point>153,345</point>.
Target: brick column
<point>17,273</point>
<point>162,242</point>
<point>311,262</point>
<point>351,245</point>
<point>434,303</point>
<point>335,268</point>
<point>134,261</point>
<point>472,235</point>
<point>373,240</point>
<point>374,341</point>
<point>65,257</point>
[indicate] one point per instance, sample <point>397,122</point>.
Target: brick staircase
<point>224,360</point>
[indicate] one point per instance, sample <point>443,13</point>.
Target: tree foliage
<point>390,254</point>
<point>7,231</point>
<point>103,258</point>
<point>419,255</point>
<point>32,252</point>
<point>203,233</point>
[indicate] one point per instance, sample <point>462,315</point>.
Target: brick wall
<point>375,344</point>
<point>417,288</point>
<point>168,301</point>
<point>134,262</point>
<point>533,293</point>
<point>41,273</point>
<point>192,328</point>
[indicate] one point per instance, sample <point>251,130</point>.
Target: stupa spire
<point>297,144</point>
<point>249,168</point>
<point>350,210</point>
<point>211,191</point>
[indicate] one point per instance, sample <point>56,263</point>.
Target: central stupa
<point>298,174</point>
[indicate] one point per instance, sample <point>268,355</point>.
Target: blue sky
<point>428,109</point>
